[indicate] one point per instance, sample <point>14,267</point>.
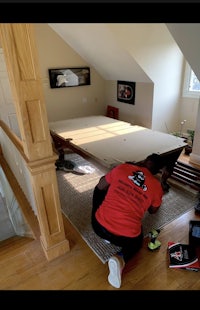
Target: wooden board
<point>111,141</point>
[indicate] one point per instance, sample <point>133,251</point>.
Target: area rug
<point>76,191</point>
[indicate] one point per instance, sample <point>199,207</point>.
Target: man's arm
<point>103,184</point>
<point>153,210</point>
<point>99,194</point>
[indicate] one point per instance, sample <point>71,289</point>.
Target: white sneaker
<point>116,266</point>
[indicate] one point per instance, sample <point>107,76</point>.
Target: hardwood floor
<point>24,266</point>
<point>185,159</point>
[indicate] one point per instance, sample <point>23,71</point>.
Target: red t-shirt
<point>132,191</point>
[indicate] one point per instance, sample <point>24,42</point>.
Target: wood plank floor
<point>24,267</point>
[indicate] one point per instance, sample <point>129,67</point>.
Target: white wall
<point>68,102</point>
<point>65,103</point>
<point>188,112</point>
<point>154,49</point>
<point>187,37</point>
<point>158,104</point>
<point>141,112</point>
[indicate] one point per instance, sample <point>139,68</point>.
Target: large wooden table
<point>110,141</point>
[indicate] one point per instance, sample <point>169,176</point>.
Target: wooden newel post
<point>18,42</point>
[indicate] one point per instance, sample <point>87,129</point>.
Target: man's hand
<point>165,186</point>
<point>153,210</point>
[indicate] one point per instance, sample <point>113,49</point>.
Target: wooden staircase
<point>187,175</point>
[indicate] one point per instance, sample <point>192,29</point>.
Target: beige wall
<point>67,102</point>
<point>73,102</point>
<point>141,112</point>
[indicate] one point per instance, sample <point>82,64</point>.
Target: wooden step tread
<point>187,166</point>
<point>186,173</point>
<point>181,180</point>
<point>180,175</point>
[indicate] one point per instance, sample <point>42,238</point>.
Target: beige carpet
<point>76,192</point>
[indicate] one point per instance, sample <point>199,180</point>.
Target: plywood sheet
<point>111,141</point>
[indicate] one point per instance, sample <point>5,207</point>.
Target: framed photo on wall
<point>126,92</point>
<point>69,77</point>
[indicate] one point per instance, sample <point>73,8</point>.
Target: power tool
<point>154,244</point>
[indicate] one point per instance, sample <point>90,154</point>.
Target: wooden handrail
<point>18,144</point>
<point>24,205</point>
<point>14,138</point>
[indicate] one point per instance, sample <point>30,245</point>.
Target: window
<point>191,86</point>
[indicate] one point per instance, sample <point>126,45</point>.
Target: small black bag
<point>194,233</point>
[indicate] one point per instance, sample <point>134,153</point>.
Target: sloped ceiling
<point>96,44</point>
<point>187,38</point>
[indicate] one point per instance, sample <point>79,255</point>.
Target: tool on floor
<point>154,243</point>
<point>197,208</point>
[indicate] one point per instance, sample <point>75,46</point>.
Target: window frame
<point>186,84</point>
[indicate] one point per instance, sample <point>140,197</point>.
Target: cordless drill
<point>154,243</point>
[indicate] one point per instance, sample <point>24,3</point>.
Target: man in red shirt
<point>120,200</point>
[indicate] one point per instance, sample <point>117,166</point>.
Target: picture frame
<point>126,92</point>
<point>69,77</point>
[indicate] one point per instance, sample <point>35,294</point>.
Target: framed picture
<point>126,92</point>
<point>69,77</point>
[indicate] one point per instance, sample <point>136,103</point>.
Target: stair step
<point>188,167</point>
<point>190,189</point>
<point>179,179</point>
<point>183,177</point>
<point>186,173</point>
